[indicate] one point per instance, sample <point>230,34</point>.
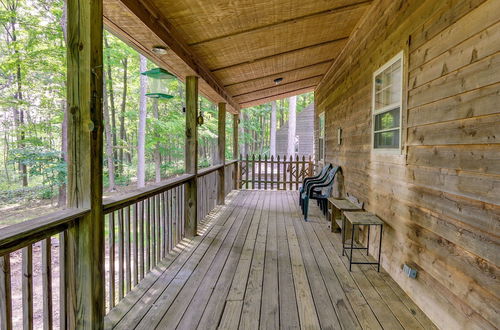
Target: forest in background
<point>33,105</point>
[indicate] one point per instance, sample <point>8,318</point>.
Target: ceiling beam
<point>279,96</point>
<point>148,14</point>
<point>352,6</point>
<point>280,73</point>
<point>280,85</point>
<point>281,54</point>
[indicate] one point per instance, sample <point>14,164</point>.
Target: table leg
<point>368,241</point>
<point>332,215</point>
<point>380,247</point>
<point>352,247</point>
<point>343,234</point>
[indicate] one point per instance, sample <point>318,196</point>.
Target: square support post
<point>236,120</point>
<point>84,246</point>
<point>191,157</point>
<point>221,191</point>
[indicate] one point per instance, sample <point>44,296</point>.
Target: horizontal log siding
<point>440,198</point>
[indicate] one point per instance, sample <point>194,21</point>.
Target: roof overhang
<point>239,48</point>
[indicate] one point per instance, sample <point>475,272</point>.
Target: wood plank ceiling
<point>240,47</point>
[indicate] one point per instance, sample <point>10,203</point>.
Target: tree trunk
<point>109,138</point>
<point>123,133</point>
<point>282,114</point>
<point>157,157</point>
<point>291,125</point>
<point>272,143</point>
<point>241,126</point>
<point>18,113</point>
<point>6,155</point>
<point>111,94</point>
<point>141,132</point>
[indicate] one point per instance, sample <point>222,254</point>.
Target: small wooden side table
<point>361,219</point>
<point>338,207</point>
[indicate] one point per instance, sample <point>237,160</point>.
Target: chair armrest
<point>309,178</point>
<point>312,182</point>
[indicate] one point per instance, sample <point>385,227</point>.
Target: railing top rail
<point>117,202</point>
<point>208,170</point>
<point>28,232</point>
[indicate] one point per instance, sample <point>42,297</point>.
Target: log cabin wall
<point>440,197</point>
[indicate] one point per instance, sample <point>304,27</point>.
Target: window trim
<point>320,135</point>
<point>398,150</point>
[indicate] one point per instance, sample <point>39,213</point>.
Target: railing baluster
<point>164,227</point>
<point>128,266</point>
<point>265,172</point>
<point>5,293</point>
<point>152,220</point>
<point>111,233</point>
<point>297,167</point>
<point>142,212</point>
<point>179,207</point>
<point>278,173</point>
<point>120,256</point>
<point>247,172</point>
<point>259,179</point>
<point>158,229</point>
<point>63,303</point>
<point>135,243</point>
<point>168,224</point>
<point>47,282</point>
<point>27,287</point>
<point>147,232</point>
<point>253,171</point>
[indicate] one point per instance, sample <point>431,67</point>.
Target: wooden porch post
<point>236,119</point>
<point>191,156</point>
<point>84,246</point>
<point>221,193</point>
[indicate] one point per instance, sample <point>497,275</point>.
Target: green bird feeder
<point>158,83</point>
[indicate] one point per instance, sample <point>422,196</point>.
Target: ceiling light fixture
<point>159,50</point>
<point>278,81</point>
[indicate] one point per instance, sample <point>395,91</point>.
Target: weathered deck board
<point>258,265</point>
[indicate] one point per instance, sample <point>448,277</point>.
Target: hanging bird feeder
<point>158,79</point>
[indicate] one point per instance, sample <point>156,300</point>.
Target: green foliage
<point>42,162</point>
<point>33,103</point>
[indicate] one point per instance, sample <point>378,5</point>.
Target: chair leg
<point>306,207</point>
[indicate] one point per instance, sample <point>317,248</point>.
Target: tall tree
<point>111,93</point>
<point>109,138</point>
<point>17,111</point>
<point>292,110</point>
<point>123,132</point>
<point>243,139</point>
<point>157,156</point>
<point>272,143</point>
<point>141,132</point>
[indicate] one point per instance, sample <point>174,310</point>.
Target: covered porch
<point>406,103</point>
<point>257,264</point>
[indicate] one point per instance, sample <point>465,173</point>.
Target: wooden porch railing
<point>142,227</point>
<point>280,173</point>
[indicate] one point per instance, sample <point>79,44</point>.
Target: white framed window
<point>321,139</point>
<point>386,105</point>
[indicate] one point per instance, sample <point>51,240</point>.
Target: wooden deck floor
<point>258,265</point>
